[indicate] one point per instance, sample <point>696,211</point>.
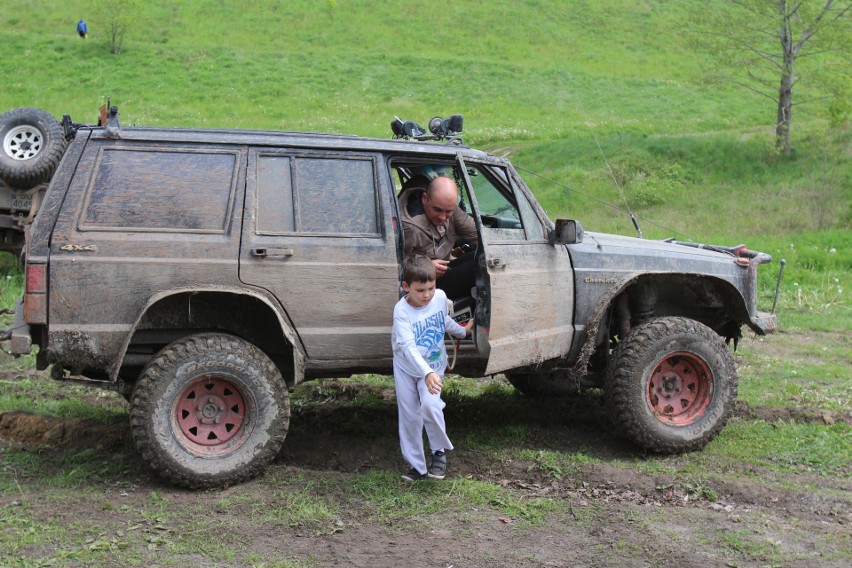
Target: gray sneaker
<point>438,467</point>
<point>413,475</point>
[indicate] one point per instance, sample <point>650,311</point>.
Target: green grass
<point>39,395</point>
<point>354,66</point>
<point>822,384</point>
<point>423,502</point>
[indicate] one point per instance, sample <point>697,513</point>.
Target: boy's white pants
<point>419,409</point>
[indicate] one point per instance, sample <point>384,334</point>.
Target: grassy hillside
<point>516,70</point>
<point>545,81</point>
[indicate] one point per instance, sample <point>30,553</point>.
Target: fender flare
<point>286,327</point>
<point>592,327</point>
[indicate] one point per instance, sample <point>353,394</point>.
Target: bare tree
<point>761,44</point>
<point>117,18</point>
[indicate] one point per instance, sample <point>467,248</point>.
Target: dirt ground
<point>610,515</point>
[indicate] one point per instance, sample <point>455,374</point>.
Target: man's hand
<point>434,384</point>
<point>441,266</point>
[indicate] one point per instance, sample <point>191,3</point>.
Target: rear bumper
<point>21,342</point>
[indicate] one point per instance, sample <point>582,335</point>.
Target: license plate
<point>21,201</point>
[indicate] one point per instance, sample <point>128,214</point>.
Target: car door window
<point>316,195</point>
<point>501,218</point>
<point>532,224</point>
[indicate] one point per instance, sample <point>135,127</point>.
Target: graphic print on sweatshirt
<point>429,335</point>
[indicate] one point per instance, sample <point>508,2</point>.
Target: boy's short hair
<point>418,268</point>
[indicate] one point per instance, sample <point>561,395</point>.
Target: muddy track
<point>321,438</point>
<point>615,513</point>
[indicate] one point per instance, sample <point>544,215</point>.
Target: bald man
<point>432,223</point>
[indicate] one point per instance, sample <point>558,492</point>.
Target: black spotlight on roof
<point>407,129</point>
<point>396,127</point>
<point>412,129</point>
<point>446,127</point>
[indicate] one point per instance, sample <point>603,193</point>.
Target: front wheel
<point>210,410</point>
<point>671,385</point>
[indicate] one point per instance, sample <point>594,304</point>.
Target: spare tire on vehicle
<point>33,144</point>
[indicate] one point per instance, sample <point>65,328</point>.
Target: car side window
<point>316,195</point>
<point>174,190</point>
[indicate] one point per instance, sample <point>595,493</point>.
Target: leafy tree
<point>767,46</point>
<point>118,17</point>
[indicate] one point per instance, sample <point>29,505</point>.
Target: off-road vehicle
<point>205,273</point>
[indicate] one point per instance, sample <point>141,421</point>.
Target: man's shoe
<point>438,467</point>
<point>413,475</point>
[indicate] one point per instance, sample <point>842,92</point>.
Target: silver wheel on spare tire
<point>33,145</point>
<point>210,410</point>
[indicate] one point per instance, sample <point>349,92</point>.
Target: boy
<point>420,320</point>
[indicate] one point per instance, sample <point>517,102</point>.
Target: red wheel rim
<point>680,388</point>
<point>209,414</point>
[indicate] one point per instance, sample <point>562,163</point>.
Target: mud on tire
<point>210,410</point>
<point>33,145</point>
<point>671,385</point>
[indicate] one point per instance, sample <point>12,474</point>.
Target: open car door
<point>528,313</point>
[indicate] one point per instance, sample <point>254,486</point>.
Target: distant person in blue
<point>82,28</point>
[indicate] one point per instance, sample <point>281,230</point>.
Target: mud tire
<point>253,397</point>
<point>33,143</point>
<point>678,357</point>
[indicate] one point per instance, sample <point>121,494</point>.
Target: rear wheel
<point>671,385</point>
<point>33,144</point>
<point>210,410</point>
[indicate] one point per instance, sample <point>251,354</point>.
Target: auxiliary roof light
<point>441,128</point>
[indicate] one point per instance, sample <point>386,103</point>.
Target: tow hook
<point>778,285</point>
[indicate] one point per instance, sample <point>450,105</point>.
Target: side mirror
<point>568,232</point>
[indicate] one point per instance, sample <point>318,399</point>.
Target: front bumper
<point>764,322</point>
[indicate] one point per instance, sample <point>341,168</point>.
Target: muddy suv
<point>205,273</point>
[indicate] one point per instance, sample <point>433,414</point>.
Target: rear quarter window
<point>169,190</point>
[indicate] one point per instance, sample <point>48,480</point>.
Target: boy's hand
<point>468,327</point>
<point>434,384</point>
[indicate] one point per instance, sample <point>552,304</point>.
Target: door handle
<point>495,262</point>
<point>272,252</point>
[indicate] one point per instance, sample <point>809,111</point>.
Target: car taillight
<point>36,280</point>
<point>35,297</point>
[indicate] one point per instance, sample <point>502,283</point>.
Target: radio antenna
<point>620,190</point>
